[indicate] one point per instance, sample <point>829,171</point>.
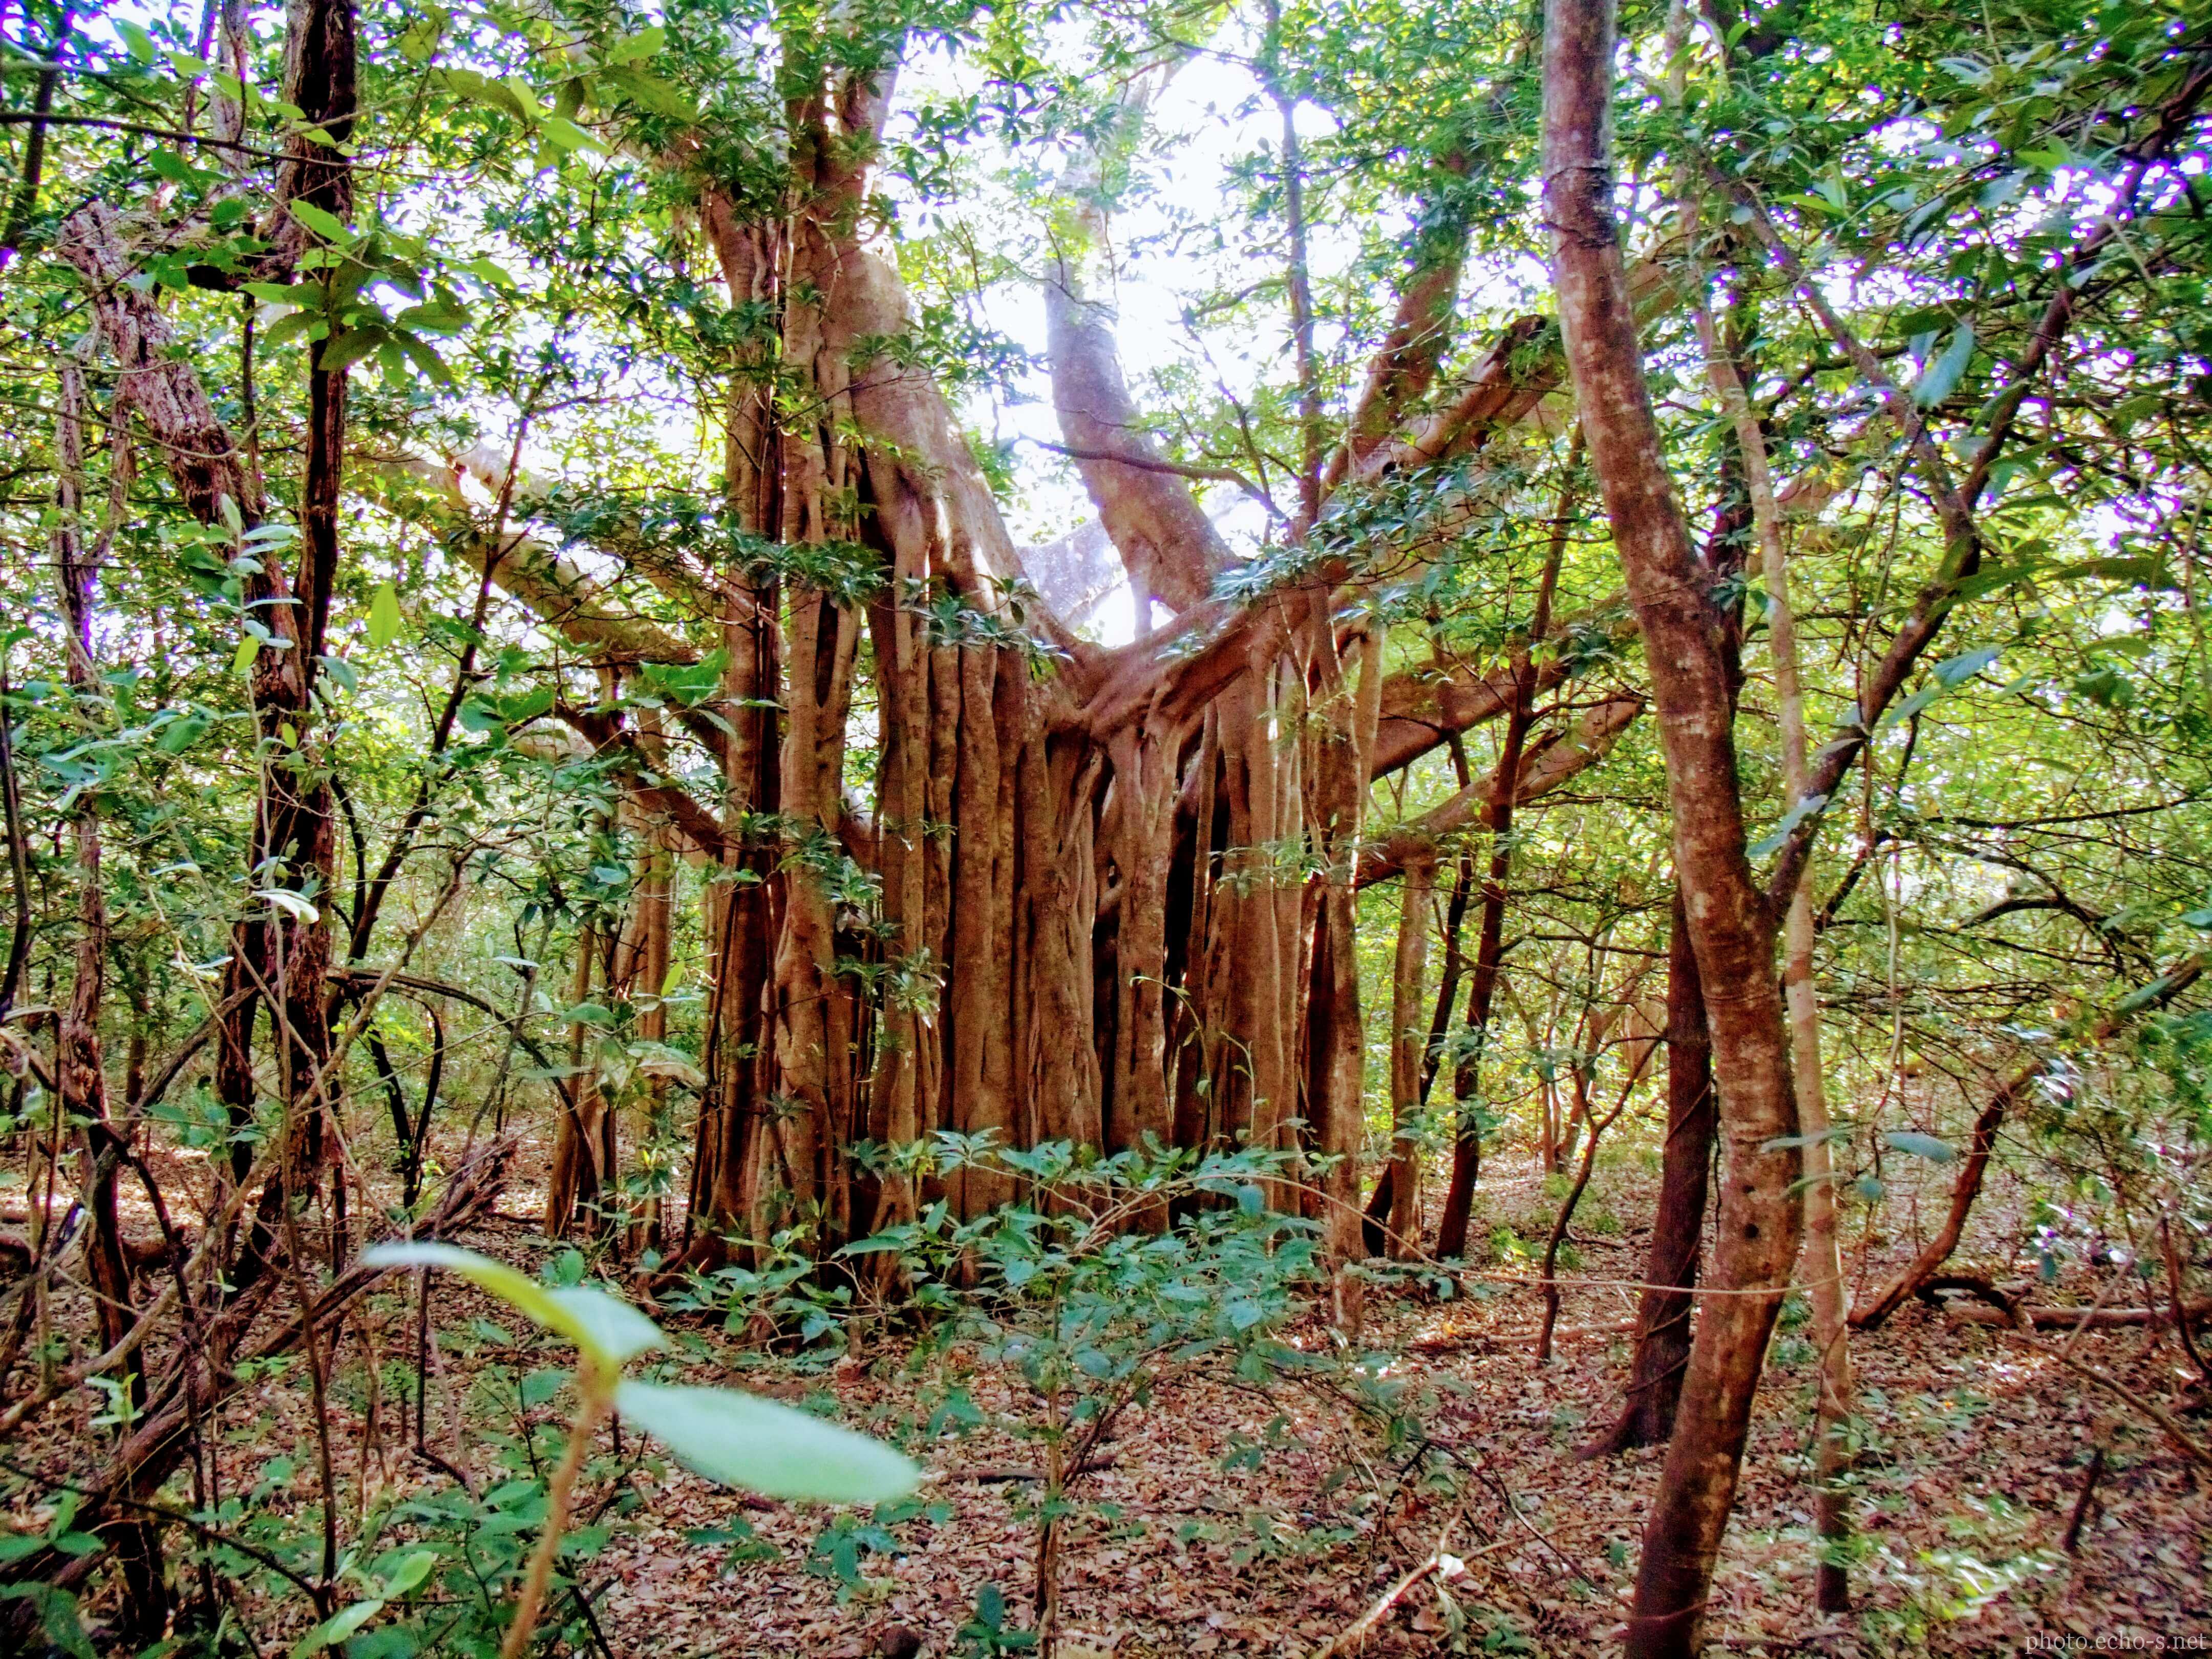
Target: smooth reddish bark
<point>1730,927</point>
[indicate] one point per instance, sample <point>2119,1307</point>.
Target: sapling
<point>723,1434</point>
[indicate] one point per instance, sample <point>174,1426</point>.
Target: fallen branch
<point>1451,1344</point>
<point>1356,1631</point>
<point>1968,1186</point>
<point>1010,1471</point>
<point>2094,1319</point>
<point>2081,1504</point>
<point>2129,1396</point>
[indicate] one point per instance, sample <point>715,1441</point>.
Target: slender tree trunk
<point>574,1184</point>
<point>1824,1262</point>
<point>1730,929</point>
<point>1670,1265</point>
<point>1385,1195</point>
<point>648,981</point>
<point>724,1161</point>
<point>1564,1219</point>
<point>79,1072</point>
<point>320,59</point>
<point>25,200</point>
<point>1406,1048</point>
<point>1489,939</point>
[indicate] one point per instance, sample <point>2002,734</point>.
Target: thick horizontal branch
<point>552,587</point>
<point>1544,768</point>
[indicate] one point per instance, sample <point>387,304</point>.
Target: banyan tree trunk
<point>1067,912</point>
<point>738,928</point>
<point>1145,790</point>
<point>738,1058</point>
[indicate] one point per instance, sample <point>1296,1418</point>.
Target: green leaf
<point>420,354</point>
<point>136,41</point>
<point>326,224</point>
<point>603,1326</point>
<point>297,295</point>
<point>288,327</point>
<point>607,1330</point>
<point>1946,676</point>
<point>335,1629</point>
<point>384,615</point>
<point>772,1449</point>
<point>2140,571</point>
<point>485,271</point>
<point>1956,671</point>
<point>565,135</point>
<point>651,93</point>
<point>522,98</point>
<point>1772,841</point>
<point>1927,1146</point>
<point>1942,376</point>
<point>2144,995</point>
<point>645,44</point>
<point>688,684</point>
<point>346,349</point>
<point>182,732</point>
<point>412,1568</point>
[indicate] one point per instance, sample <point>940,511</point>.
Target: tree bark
<point>1407,1050</point>
<point>1730,929</point>
<point>1678,1224</point>
<point>1824,1262</point>
<point>1338,1118</point>
<point>574,1182</point>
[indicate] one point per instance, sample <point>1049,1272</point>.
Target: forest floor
<point>1229,1518</point>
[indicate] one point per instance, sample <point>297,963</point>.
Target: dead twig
<point>1356,1631</point>
<point>2081,1504</point>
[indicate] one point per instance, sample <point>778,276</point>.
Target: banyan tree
<point>1087,892</point>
